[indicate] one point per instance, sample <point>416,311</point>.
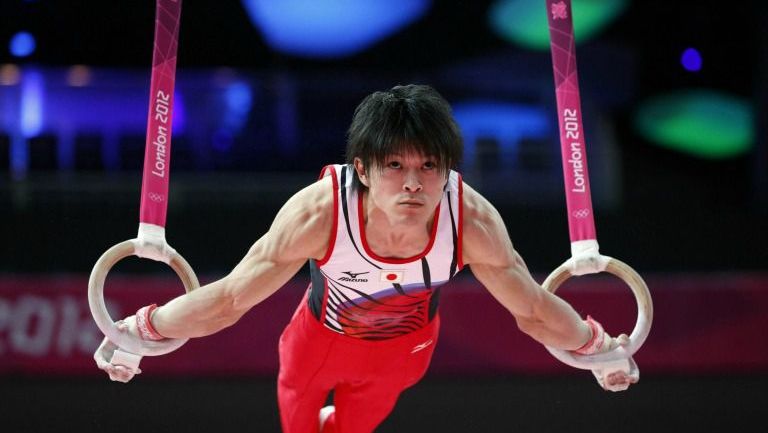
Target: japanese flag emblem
<point>392,276</point>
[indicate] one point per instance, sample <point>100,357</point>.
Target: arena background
<point>674,98</point>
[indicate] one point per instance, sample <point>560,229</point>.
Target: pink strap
<point>581,222</point>
<point>157,153</point>
<point>144,324</point>
<point>596,341</point>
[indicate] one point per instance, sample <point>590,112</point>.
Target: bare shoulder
<point>316,199</point>
<point>485,237</point>
<point>303,225</point>
<point>477,208</point>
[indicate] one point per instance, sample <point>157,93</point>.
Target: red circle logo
<point>391,277</point>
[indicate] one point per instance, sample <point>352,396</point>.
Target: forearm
<point>215,306</point>
<point>540,314</point>
<point>555,323</point>
<point>201,312</point>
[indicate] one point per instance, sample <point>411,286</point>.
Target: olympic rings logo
<point>155,197</point>
<point>581,213</point>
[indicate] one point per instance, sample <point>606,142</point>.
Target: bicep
<point>493,260</point>
<point>300,231</point>
<point>259,274</point>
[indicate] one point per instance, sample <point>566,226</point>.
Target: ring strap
<point>150,242</point>
<point>157,153</point>
<point>581,223</point>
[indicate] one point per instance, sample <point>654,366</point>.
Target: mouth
<point>411,203</point>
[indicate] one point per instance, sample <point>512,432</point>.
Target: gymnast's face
<point>407,188</point>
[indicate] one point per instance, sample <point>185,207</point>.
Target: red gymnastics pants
<point>367,376</point>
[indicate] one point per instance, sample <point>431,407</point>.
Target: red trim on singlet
<point>460,224</point>
<point>364,241</point>
<point>334,226</point>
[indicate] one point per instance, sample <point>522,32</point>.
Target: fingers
<point>104,353</point>
<point>127,325</point>
<point>622,339</point>
<point>106,349</point>
<point>619,378</point>
<point>119,373</point>
<point>122,326</point>
<point>617,375</point>
<point>619,381</point>
<point>103,357</point>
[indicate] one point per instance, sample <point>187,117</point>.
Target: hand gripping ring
<point>124,340</point>
<point>642,325</point>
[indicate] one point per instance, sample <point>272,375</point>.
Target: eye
<point>393,164</point>
<point>430,165</point>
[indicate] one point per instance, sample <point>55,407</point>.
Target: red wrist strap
<point>144,324</point>
<point>596,341</point>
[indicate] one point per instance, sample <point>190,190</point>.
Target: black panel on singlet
<point>345,211</point>
<point>315,299</point>
<point>456,252</point>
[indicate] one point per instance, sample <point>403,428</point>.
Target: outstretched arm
<point>495,263</point>
<point>300,231</point>
<point>539,313</point>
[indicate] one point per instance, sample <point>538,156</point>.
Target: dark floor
<point>510,404</point>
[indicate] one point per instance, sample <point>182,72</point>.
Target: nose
<point>412,183</point>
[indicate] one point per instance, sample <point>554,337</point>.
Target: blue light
<point>30,119</point>
<point>330,28</point>
<point>691,60</point>
<point>238,100</point>
<point>179,112</point>
<point>22,44</point>
<point>508,123</point>
<point>238,96</point>
<point>32,96</point>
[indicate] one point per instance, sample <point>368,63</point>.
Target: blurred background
<point>674,98</point>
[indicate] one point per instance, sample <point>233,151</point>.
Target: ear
<point>361,174</point>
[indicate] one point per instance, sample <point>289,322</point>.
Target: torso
<point>374,287</point>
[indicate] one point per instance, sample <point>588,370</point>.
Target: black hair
<point>400,120</point>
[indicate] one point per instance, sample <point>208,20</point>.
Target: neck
<point>389,237</point>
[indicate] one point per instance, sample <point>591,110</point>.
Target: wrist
<point>596,340</point>
<point>144,324</point>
